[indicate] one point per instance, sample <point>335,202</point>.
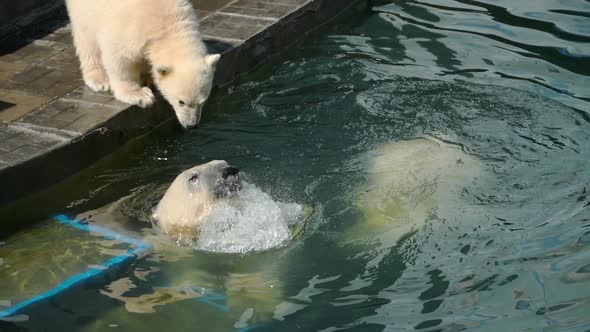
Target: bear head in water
<point>187,202</point>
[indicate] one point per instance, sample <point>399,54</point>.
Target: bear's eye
<point>181,103</point>
<point>193,177</point>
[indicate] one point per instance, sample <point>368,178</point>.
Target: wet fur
<point>115,39</point>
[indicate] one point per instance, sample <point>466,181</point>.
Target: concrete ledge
<point>52,155</point>
<point>54,126</point>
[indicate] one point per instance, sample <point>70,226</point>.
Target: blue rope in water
<point>105,232</point>
<point>209,296</point>
<point>91,272</point>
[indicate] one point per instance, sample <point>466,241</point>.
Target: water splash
<point>251,222</point>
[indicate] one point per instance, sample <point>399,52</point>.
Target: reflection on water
<point>498,240</point>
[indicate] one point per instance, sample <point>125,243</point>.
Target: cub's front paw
<point>142,97</point>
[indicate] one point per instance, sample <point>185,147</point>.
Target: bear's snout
<point>229,171</point>
<point>229,183</point>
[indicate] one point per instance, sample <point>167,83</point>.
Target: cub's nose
<point>229,171</point>
<point>190,125</point>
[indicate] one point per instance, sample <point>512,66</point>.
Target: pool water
<point>438,149</point>
<point>37,260</point>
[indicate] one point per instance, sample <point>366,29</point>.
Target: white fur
<point>114,39</point>
<point>410,180</point>
<point>186,204</point>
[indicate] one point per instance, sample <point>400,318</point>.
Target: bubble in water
<point>252,221</point>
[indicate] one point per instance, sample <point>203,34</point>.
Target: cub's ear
<point>212,59</point>
<point>164,70</point>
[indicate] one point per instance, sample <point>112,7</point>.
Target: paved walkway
<point>51,124</point>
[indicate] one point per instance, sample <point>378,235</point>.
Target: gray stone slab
<point>271,10</point>
<point>44,81</point>
<point>23,143</point>
<point>92,118</point>
<point>35,52</point>
<point>25,77</point>
<point>48,133</point>
<point>23,152</point>
<point>9,69</point>
<point>85,94</point>
<point>62,35</point>
<point>217,45</point>
<point>71,115</point>
<point>201,14</point>
<point>27,136</point>
<point>291,2</point>
<point>12,139</point>
<point>210,5</point>
<point>66,60</point>
<point>16,104</point>
<point>233,27</point>
<point>6,132</point>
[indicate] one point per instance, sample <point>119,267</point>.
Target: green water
<point>504,84</point>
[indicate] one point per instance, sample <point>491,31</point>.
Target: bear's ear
<point>164,70</point>
<point>212,59</point>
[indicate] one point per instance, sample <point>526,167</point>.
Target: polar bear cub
<point>115,38</point>
<point>189,199</point>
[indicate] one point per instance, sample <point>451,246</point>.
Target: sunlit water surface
<point>501,84</point>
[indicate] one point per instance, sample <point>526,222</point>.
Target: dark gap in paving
<point>5,105</point>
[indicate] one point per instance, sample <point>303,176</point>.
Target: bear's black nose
<point>229,171</point>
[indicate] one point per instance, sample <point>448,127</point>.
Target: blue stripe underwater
<point>210,297</point>
<point>91,272</point>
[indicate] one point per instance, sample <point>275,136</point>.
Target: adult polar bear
<point>189,199</point>
<point>114,38</point>
<point>408,182</point>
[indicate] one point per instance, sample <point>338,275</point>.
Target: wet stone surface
<point>20,143</point>
<point>233,27</point>
<point>19,103</point>
<point>70,115</point>
<point>271,10</point>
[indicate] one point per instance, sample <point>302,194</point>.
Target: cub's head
<point>188,200</point>
<point>186,85</point>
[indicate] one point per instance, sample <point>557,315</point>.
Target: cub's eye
<point>193,177</point>
<point>181,102</point>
